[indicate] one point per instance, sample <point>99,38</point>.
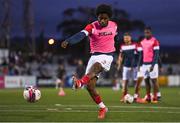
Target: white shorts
<point>58,80</point>
<point>104,60</point>
<point>153,75</point>
<point>140,72</point>
<point>128,73</point>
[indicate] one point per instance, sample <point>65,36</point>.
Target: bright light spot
<point>51,41</point>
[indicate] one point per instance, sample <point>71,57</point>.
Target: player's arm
<point>120,59</point>
<point>140,52</point>
<point>77,37</point>
<point>160,62</point>
<point>156,48</point>
<point>116,38</point>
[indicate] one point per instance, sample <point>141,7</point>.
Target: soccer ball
<point>31,94</point>
<point>128,98</point>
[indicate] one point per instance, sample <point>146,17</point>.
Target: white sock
<point>101,105</point>
<point>56,86</point>
<point>135,95</point>
<point>117,85</point>
<point>159,94</point>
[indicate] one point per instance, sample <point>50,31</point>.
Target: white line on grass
<point>27,105</point>
<point>118,106</point>
<point>110,106</point>
<point>87,111</point>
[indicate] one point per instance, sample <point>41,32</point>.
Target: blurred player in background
<point>61,74</point>
<point>116,76</point>
<point>128,58</point>
<point>80,69</point>
<point>141,78</point>
<point>101,34</point>
<point>150,55</point>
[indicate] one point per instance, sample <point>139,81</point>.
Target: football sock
<point>135,95</point>
<point>98,101</point>
<point>124,92</point>
<point>85,79</point>
<point>101,105</point>
<point>155,96</point>
<point>158,94</point>
<point>148,95</point>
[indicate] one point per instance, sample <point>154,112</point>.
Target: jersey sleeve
<point>139,47</point>
<point>156,45</point>
<point>156,52</point>
<point>120,48</point>
<point>117,37</point>
<point>88,29</point>
<point>116,27</point>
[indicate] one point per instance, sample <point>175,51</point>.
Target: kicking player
<point>128,58</point>
<point>101,34</point>
<point>150,54</point>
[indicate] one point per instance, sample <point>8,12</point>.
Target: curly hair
<point>104,8</point>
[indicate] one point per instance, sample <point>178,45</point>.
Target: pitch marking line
<point>115,106</point>
<point>110,106</point>
<point>87,111</point>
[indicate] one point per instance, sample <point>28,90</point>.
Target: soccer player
<point>128,58</point>
<point>116,76</point>
<point>150,54</point>
<point>101,34</point>
<point>80,69</point>
<point>141,78</point>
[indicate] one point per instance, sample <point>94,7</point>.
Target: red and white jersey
<point>129,53</point>
<point>101,38</point>
<point>148,47</point>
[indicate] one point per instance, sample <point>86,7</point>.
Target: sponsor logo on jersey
<point>105,33</point>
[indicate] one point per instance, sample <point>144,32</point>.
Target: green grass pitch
<point>77,106</point>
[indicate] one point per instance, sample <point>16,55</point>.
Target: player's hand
<point>64,44</point>
<point>138,68</point>
<point>118,64</point>
<point>161,70</point>
<point>151,68</point>
<point>131,68</point>
<point>118,67</point>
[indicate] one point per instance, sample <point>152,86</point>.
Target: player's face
<point>103,19</point>
<point>127,39</point>
<point>147,33</point>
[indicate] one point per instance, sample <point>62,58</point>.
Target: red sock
<point>97,99</point>
<point>85,79</point>
<point>148,95</point>
<point>124,93</point>
<point>155,96</point>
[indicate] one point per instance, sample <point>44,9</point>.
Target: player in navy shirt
<point>129,59</point>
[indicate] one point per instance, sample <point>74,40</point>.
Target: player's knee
<point>97,67</point>
<point>154,80</point>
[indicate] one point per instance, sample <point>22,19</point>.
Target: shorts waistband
<point>98,53</point>
<point>147,63</point>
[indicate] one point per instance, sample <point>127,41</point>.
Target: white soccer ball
<point>31,94</point>
<point>128,98</point>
